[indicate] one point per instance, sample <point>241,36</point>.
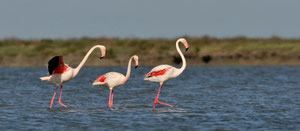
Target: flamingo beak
<point>136,66</point>
<point>186,49</point>
<point>101,57</point>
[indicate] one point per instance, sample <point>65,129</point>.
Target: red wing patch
<point>60,69</point>
<point>56,65</point>
<point>101,79</point>
<point>157,73</point>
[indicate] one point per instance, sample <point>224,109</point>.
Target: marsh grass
<point>158,48</point>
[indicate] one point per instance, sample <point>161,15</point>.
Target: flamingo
<point>114,79</point>
<point>60,73</point>
<point>163,73</point>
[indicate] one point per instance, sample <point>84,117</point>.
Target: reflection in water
<point>178,110</point>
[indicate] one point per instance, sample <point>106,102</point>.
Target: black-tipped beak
<point>136,67</point>
<point>186,49</point>
<point>101,57</point>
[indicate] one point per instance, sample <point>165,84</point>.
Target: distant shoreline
<point>203,51</point>
<point>215,61</point>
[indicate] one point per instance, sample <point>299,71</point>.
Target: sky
<point>59,19</point>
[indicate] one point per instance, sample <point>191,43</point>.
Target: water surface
<point>204,97</point>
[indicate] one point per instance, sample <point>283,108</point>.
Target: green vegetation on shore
<point>203,50</point>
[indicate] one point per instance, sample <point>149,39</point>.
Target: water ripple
<point>204,98</point>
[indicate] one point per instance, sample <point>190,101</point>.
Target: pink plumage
<point>60,73</point>
<point>112,80</point>
<point>163,73</point>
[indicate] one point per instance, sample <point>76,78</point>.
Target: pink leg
<point>157,101</point>
<point>59,101</point>
<point>111,98</point>
<point>164,103</point>
<point>53,98</point>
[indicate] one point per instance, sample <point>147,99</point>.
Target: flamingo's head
<point>103,49</point>
<point>136,59</point>
<point>184,42</point>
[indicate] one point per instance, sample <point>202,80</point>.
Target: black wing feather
<point>52,64</point>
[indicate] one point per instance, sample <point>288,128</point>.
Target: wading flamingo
<point>59,73</point>
<point>114,79</point>
<point>163,73</point>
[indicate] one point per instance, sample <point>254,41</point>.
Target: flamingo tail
<point>46,78</point>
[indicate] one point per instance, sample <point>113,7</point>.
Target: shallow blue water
<point>205,97</point>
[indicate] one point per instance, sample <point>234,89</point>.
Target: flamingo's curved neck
<point>182,58</point>
<point>78,68</point>
<point>128,70</point>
